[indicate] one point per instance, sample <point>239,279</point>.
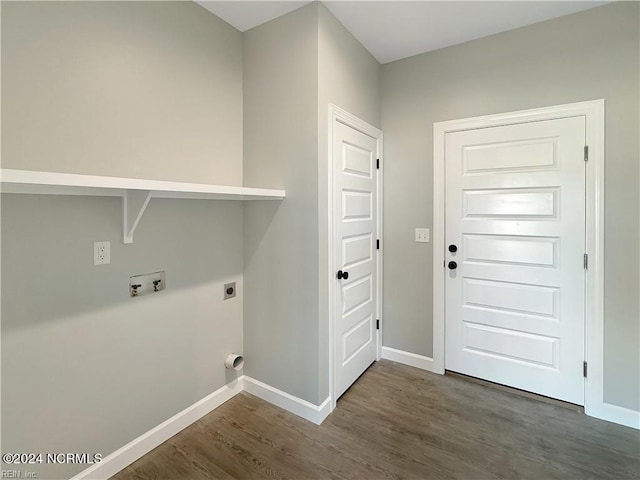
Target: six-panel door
<point>515,210</point>
<point>355,206</point>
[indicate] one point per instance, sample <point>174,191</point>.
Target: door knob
<point>342,275</point>
<point>453,248</point>
<point>453,265</point>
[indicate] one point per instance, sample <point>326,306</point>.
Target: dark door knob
<point>453,265</point>
<point>453,248</point>
<point>342,275</point>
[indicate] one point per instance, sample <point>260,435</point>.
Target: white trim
<point>593,111</point>
<point>380,232</point>
<point>408,358</point>
<point>337,114</point>
<point>146,442</point>
<point>437,237</point>
<point>295,405</point>
<point>132,451</point>
<point>616,414</point>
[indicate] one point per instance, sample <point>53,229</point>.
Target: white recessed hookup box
<point>145,284</point>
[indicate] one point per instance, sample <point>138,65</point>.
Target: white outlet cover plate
<point>423,235</point>
<point>101,253</point>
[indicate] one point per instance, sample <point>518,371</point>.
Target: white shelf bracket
<point>134,203</point>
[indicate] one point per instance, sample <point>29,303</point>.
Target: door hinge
<point>377,324</point>
<point>377,163</point>
<point>586,261</point>
<point>584,369</point>
<point>377,244</point>
<point>586,153</point>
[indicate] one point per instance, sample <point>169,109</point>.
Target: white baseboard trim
<point>132,451</point>
<point>295,405</point>
<point>146,442</point>
<point>408,358</point>
<point>615,414</point>
<point>603,411</point>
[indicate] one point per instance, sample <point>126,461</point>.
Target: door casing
<point>337,114</point>
<point>593,111</point>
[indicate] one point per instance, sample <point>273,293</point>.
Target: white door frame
<point>337,114</point>
<point>593,111</point>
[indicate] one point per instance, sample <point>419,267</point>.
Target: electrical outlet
<point>229,290</point>
<point>423,235</point>
<point>101,253</point>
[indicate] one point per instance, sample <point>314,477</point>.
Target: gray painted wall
<point>86,368</point>
<point>585,56</point>
<point>281,240</point>
<point>349,77</point>
<point>129,89</point>
<point>148,89</point>
<point>294,67</point>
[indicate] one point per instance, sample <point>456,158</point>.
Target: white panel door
<point>515,216</point>
<point>355,204</point>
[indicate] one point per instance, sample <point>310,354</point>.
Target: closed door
<point>355,204</point>
<point>515,239</point>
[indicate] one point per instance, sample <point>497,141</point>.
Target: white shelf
<point>136,193</point>
<point>27,181</point>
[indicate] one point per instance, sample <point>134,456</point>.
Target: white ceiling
<point>392,30</point>
<point>246,14</point>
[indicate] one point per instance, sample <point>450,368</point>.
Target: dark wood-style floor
<point>402,423</point>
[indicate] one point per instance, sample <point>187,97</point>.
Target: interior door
<point>355,213</point>
<point>515,239</point>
